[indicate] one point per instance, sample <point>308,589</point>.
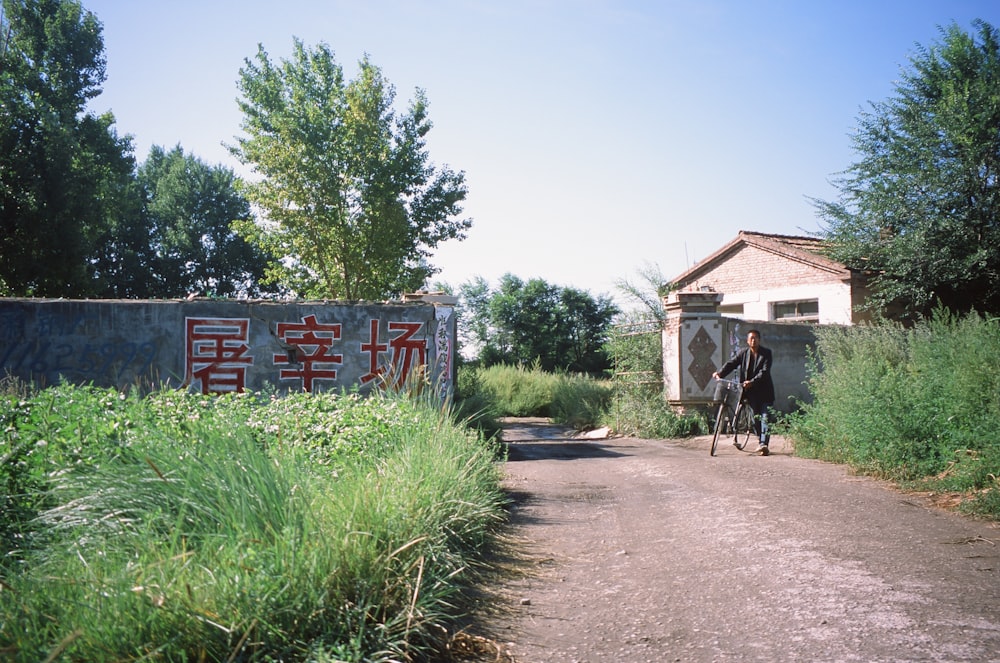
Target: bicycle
<point>735,417</point>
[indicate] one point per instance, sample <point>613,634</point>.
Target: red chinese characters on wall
<point>309,354</point>
<point>374,349</point>
<point>216,353</point>
<point>405,351</point>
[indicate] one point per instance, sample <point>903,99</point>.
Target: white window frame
<point>800,316</point>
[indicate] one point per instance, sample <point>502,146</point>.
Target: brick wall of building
<point>750,268</point>
<point>752,280</point>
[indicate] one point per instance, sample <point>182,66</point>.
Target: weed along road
<point>651,550</point>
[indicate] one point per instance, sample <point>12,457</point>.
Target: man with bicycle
<point>754,363</point>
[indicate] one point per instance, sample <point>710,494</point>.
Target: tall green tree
<point>122,260</point>
<point>191,208</point>
<point>64,172</point>
<point>920,210</point>
<point>352,205</point>
<point>523,322</point>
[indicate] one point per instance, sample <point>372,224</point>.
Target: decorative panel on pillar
<point>693,346</point>
<point>701,355</point>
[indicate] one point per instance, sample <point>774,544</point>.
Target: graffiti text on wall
<point>53,353</point>
<point>309,351</point>
<point>89,361</point>
<point>405,351</point>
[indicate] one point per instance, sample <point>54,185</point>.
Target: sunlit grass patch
<point>240,528</point>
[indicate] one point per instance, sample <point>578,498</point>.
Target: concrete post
<point>692,347</point>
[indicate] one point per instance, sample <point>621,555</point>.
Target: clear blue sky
<point>597,136</point>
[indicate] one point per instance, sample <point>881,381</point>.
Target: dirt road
<point>651,550</point>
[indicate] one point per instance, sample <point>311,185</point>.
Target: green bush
<point>474,405</point>
<point>58,428</point>
<point>861,408</point>
<point>578,401</point>
<point>915,404</point>
<point>516,391</point>
<point>185,527</point>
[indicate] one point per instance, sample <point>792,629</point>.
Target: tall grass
<point>642,411</point>
<point>309,528</point>
<point>912,404</point>
<point>519,391</point>
<point>638,406</point>
<point>578,401</point>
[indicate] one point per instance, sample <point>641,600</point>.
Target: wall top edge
<point>210,300</point>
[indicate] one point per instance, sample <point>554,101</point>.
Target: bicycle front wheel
<point>743,429</point>
<point>723,420</point>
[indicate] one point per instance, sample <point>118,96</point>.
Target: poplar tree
<point>65,174</point>
<point>351,204</point>
<point>919,212</point>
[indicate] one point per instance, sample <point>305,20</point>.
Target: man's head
<point>753,339</point>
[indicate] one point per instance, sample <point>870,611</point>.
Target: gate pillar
<point>693,333</point>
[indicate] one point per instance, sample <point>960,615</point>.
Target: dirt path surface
<point>651,550</point>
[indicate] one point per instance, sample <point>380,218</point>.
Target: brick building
<point>778,278</point>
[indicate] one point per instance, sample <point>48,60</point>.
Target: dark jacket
<point>757,371</point>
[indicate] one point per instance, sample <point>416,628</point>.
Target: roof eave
<point>766,243</point>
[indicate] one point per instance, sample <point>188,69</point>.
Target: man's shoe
<point>762,450</point>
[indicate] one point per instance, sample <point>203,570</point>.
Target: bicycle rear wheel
<point>723,424</point>
<point>743,429</point>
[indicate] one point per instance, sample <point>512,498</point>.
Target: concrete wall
<point>789,343</point>
<point>224,345</point>
<point>697,340</point>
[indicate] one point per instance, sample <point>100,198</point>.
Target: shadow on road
<point>540,439</point>
<point>541,450</point>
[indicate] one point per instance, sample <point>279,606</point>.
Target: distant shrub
<point>516,391</point>
<point>644,412</point>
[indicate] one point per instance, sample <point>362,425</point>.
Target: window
<point>805,310</point>
<point>732,310</point>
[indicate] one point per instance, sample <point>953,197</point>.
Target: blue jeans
<point>760,426</point>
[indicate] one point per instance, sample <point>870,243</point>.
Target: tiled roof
<point>811,244</point>
<point>809,250</point>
